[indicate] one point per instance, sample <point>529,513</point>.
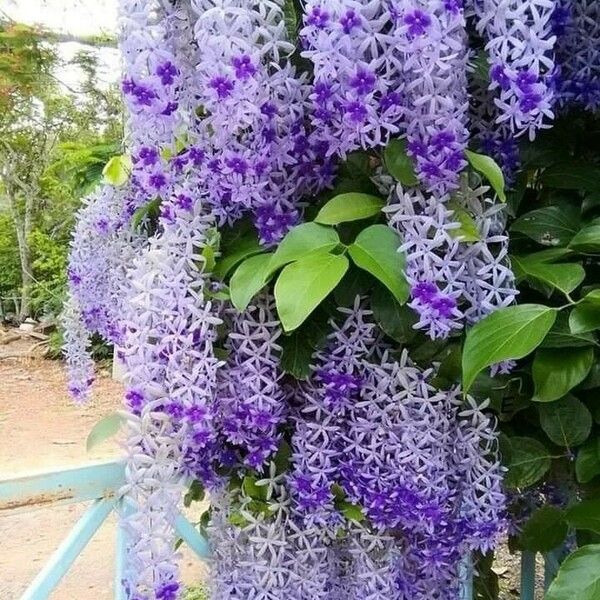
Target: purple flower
<point>418,22</point>
<point>222,85</point>
<point>167,72</point>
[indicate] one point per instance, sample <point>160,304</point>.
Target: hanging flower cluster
<point>364,479</point>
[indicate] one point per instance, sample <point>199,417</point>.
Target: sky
<point>79,17</point>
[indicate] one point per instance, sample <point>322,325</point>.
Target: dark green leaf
<point>545,530</point>
<point>356,282</point>
<point>549,226</point>
<point>282,458</point>
<point>556,372</point>
<point>566,422</point>
<point>549,255</point>
<point>490,169</point>
<point>508,333</point>
<point>565,277</point>
<point>560,336</point>
<point>302,285</point>
<point>376,251</point>
<point>585,515</point>
<point>399,164</point>
<point>352,206</point>
<point>195,493</point>
<point>587,463</point>
<point>579,576</point>
<point>587,240</point>
<point>302,241</point>
<point>147,212</point>
<point>572,176</point>
<point>529,462</point>
<point>248,279</point>
<point>296,354</point>
<point>485,582</point>
<point>394,319</point>
<point>103,430</point>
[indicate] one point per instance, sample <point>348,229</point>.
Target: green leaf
<point>585,515</point>
<point>376,251</point>
<point>146,212</point>
<point>565,277</point>
<point>587,240</point>
<point>587,463</point>
<point>529,462</point>
<point>468,231</point>
<point>399,164</point>
<point>549,226</point>
<point>195,493</point>
<point>302,241</point>
<point>282,458</point>
<point>566,422</point>
<point>556,372</point>
<point>584,317</point>
<point>104,429</point>
<point>349,207</point>
<point>117,169</point>
<point>302,285</point>
<point>545,530</point>
<point>489,168</point>
<point>549,255</point>
<point>561,336</point>
<point>356,282</point>
<point>252,489</point>
<point>291,20</point>
<point>508,333</point>
<point>352,512</point>
<point>485,581</point>
<point>248,279</point>
<point>572,176</point>
<point>244,248</point>
<point>296,354</point>
<point>578,577</point>
<point>394,319</point>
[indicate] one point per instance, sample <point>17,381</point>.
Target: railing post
<point>465,572</point>
<point>121,551</point>
<point>528,575</point>
<point>65,555</point>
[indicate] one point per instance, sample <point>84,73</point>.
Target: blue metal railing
<point>101,482</point>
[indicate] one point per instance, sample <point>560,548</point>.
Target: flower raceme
<point>364,479</point>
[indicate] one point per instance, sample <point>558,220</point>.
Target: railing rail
<point>101,482</point>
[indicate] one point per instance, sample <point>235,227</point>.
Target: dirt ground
<point>41,429</point>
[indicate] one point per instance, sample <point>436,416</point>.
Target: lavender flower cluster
<point>390,481</point>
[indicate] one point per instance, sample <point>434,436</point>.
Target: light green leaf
<point>587,463</point>
<point>578,577</point>
<point>302,285</point>
<point>489,168</point>
<point>566,422</point>
<point>247,280</point>
<point>587,240</point>
<point>545,530</point>
<point>585,317</point>
<point>565,277</point>
<point>104,429</point>
<point>353,206</point>
<point>549,226</point>
<point>529,462</point>
<point>508,333</point>
<point>244,247</point>
<point>399,164</point>
<point>117,170</point>
<point>556,372</point>
<point>352,512</point>
<point>376,251</point>
<point>468,231</point>
<point>585,515</point>
<point>302,241</point>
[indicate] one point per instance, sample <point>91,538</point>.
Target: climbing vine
<point>348,259</point>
